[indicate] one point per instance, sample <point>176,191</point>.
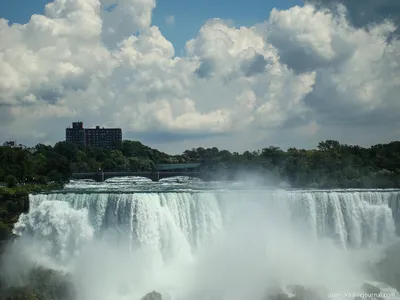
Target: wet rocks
<point>152,296</point>
<point>378,291</point>
<point>370,290</point>
<point>299,292</point>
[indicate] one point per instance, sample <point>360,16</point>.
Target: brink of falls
<point>208,244</point>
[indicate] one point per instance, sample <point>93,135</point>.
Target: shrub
<point>11,181</point>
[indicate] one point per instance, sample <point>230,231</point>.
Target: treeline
<point>330,165</point>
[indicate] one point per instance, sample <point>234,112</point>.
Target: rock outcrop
<point>152,296</point>
<point>371,290</point>
<point>298,292</point>
<point>378,291</point>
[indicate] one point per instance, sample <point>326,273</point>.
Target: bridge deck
<point>168,167</point>
<point>155,176</point>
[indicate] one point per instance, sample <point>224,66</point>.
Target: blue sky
<point>189,15</point>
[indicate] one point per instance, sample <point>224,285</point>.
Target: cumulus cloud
<point>307,73</point>
<point>363,13</point>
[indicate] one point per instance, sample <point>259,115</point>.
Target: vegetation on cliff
<point>38,283</point>
<point>330,165</point>
<point>14,201</point>
<point>11,206</point>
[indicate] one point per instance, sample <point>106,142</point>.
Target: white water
<point>196,245</point>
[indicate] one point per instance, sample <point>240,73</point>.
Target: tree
<point>11,181</point>
<point>328,145</point>
<point>330,165</point>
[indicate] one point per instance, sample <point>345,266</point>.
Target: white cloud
<point>302,76</point>
<point>170,20</point>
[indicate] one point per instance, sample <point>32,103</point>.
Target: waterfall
<point>183,243</point>
<point>162,220</point>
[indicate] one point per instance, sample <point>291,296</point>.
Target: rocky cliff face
<point>11,207</point>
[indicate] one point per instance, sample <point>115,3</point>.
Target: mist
<point>188,246</point>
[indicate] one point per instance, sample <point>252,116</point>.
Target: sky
<point>189,15</point>
<point>176,74</point>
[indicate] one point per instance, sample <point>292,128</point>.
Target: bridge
<point>161,171</point>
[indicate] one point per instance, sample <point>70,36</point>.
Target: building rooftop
<point>79,125</point>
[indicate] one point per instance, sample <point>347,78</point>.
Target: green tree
<point>11,181</point>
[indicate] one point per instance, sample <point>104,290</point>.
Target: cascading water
<point>191,244</point>
<point>352,219</point>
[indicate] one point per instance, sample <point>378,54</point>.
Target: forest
<point>329,165</point>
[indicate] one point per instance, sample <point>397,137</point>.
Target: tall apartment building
<point>76,134</point>
<point>109,138</point>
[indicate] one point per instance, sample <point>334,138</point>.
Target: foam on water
<point>193,245</point>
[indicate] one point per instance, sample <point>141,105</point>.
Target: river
<point>193,240</point>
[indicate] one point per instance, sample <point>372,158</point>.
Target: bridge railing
<point>153,175</point>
